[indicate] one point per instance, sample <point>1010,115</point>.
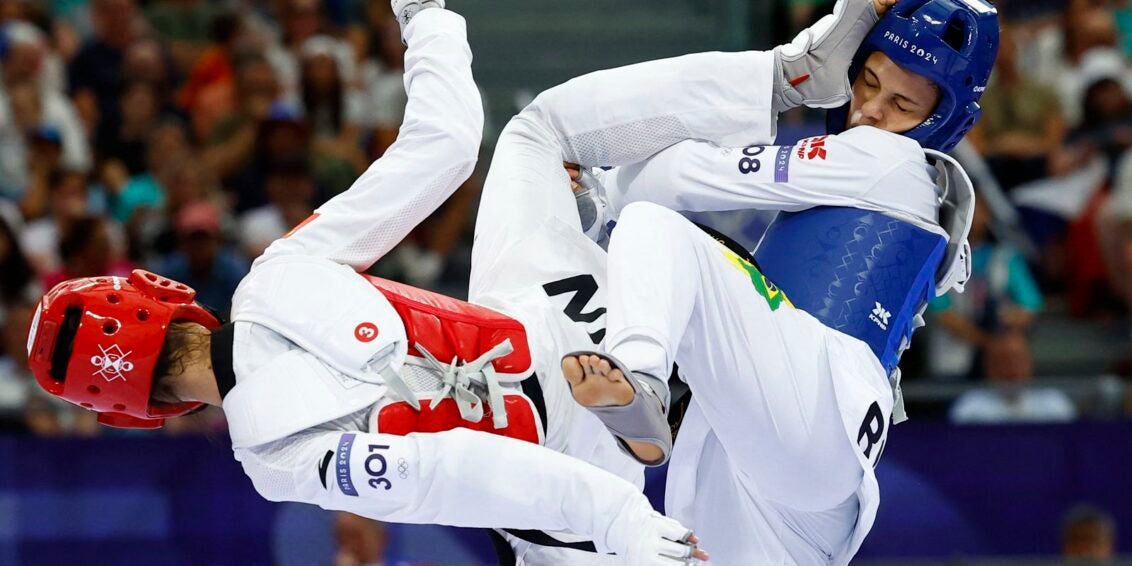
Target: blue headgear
<point>951,42</point>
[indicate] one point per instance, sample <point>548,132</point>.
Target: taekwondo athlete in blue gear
<point>790,355</point>
<point>868,274</point>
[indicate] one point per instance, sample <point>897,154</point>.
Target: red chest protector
<point>450,328</point>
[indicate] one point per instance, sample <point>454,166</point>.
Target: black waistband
<point>533,389</point>
<point>220,343</point>
<point>729,243</point>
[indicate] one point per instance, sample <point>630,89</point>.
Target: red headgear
<point>95,341</point>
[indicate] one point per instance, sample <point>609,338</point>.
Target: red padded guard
<point>450,327</point>
<point>400,418</point>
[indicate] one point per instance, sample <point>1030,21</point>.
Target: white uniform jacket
<point>299,422</point>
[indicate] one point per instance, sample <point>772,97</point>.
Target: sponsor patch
<point>342,464</point>
<point>812,149</point>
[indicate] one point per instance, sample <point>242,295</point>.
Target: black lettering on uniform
<point>376,480</point>
<point>583,287</point>
<point>872,429</point>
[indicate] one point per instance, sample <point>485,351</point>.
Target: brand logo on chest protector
<point>112,364</point>
<point>880,316</point>
<point>365,332</point>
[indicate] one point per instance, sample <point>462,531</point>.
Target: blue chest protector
<point>857,271</point>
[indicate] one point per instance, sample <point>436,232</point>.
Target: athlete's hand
<point>815,64</point>
<point>575,172</point>
<point>647,538</point>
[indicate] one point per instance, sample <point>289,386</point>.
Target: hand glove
<point>813,69</point>
<point>647,538</point>
<point>404,10</point>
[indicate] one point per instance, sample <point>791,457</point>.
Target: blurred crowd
<point>1052,237</point>
<point>183,137</point>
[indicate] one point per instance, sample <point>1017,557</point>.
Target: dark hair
<point>181,342</point>
<point>15,269</point>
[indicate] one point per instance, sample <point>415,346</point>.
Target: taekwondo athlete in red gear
<point>793,367</point>
<point>350,392</point>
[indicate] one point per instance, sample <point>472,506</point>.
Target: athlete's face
<point>890,98</point>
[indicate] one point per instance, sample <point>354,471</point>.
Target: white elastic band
<point>459,380</point>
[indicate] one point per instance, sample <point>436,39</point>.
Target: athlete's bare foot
<point>596,383</point>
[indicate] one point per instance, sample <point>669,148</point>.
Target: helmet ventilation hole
<point>93,389</point>
<point>113,298</point>
<point>143,315</point>
<point>956,34</point>
<point>119,407</point>
<point>164,282</point>
<point>86,405</point>
<point>109,327</point>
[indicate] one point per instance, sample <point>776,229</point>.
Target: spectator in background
<point>16,382</point>
<point>1009,366</point>
<point>140,107</point>
<point>333,111</point>
<point>208,95</point>
<point>1001,296</point>
<point>166,149</point>
<point>96,74</point>
<point>27,114</point>
<point>231,149</point>
<point>302,20</point>
<point>1057,56</point>
<point>383,78</point>
<point>202,261</point>
<point>184,25</point>
<point>1088,537</point>
<point>1114,232</point>
<point>1106,121</point>
<point>68,201</point>
<point>17,279</point>
<point>29,58</point>
<point>361,541</point>
<point>290,193</point>
<point>188,183</point>
<point>44,158</point>
<point>86,251</point>
<point>284,137</point>
<point>147,61</point>
<point>1021,127</point>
